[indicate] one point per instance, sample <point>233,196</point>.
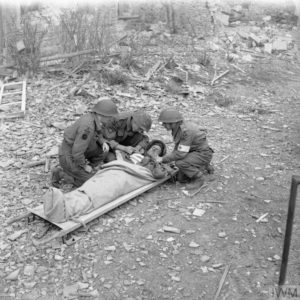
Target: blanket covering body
<point>117,178</point>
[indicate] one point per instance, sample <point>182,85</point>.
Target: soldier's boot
<point>210,169</point>
<point>182,178</point>
<point>67,179</point>
<point>198,181</point>
<point>56,176</point>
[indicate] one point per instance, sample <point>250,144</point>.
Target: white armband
<point>184,148</point>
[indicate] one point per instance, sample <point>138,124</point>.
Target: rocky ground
<point>164,244</point>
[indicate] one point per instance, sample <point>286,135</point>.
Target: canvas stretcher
<point>70,226</point>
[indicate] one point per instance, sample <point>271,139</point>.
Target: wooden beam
<point>19,114</point>
<point>12,93</point>
<point>1,92</point>
<point>23,105</point>
<point>68,55</point>
<point>221,283</point>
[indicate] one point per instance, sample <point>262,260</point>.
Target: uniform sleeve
<point>82,140</point>
<point>113,144</point>
<point>181,150</point>
<point>144,142</point>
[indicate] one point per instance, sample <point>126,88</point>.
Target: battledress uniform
<point>191,153</point>
<point>82,141</point>
<point>119,131</point>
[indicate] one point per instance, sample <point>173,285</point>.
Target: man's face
<point>135,127</point>
<point>168,126</point>
<point>104,119</point>
<point>154,151</point>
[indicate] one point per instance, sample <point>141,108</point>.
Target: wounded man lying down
<point>115,179</point>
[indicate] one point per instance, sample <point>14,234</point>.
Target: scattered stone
<point>82,285</point>
<point>110,248</point>
<point>217,266</point>
<point>26,201</point>
<point>280,45</point>
<point>109,258</point>
<point>17,234</point>
<point>222,234</point>
<point>204,269</point>
<point>198,212</point>
<point>277,257</point>
<point>268,47</point>
<point>176,278</point>
<point>163,255</point>
<point>13,275</point>
<point>205,258</point>
<point>128,220</point>
<point>170,239</point>
<point>41,269</point>
<point>194,245</point>
<point>70,291</point>
<point>107,285</point>
<point>6,163</point>
<point>29,270</point>
<point>29,285</point>
<point>140,282</point>
<point>58,257</point>
<point>149,237</point>
<point>3,245</point>
<point>171,229</point>
<point>260,178</point>
<point>127,282</point>
<point>127,247</point>
<point>94,293</point>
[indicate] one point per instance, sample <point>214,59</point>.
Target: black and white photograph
<point>149,149</point>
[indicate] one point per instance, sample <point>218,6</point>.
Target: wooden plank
<point>12,93</point>
<point>1,92</point>
<point>221,283</point>
<point>9,104</point>
<point>68,55</point>
<point>10,85</point>
<point>18,218</point>
<point>70,226</point>
<point>23,105</point>
<point>19,114</point>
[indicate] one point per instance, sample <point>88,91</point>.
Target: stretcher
<point>67,227</point>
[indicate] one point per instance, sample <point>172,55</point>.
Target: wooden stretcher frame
<point>69,226</point>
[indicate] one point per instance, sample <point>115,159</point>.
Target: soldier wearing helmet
<point>126,132</point>
<point>83,142</point>
<point>192,154</point>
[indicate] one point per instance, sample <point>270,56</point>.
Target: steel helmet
<point>159,143</point>
<point>170,115</point>
<point>106,108</point>
<point>143,120</point>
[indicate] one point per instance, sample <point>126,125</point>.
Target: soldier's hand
<point>159,159</point>
<point>129,149</point>
<point>88,168</point>
<point>105,147</point>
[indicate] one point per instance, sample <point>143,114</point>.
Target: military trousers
<point>74,171</point>
<point>194,162</point>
